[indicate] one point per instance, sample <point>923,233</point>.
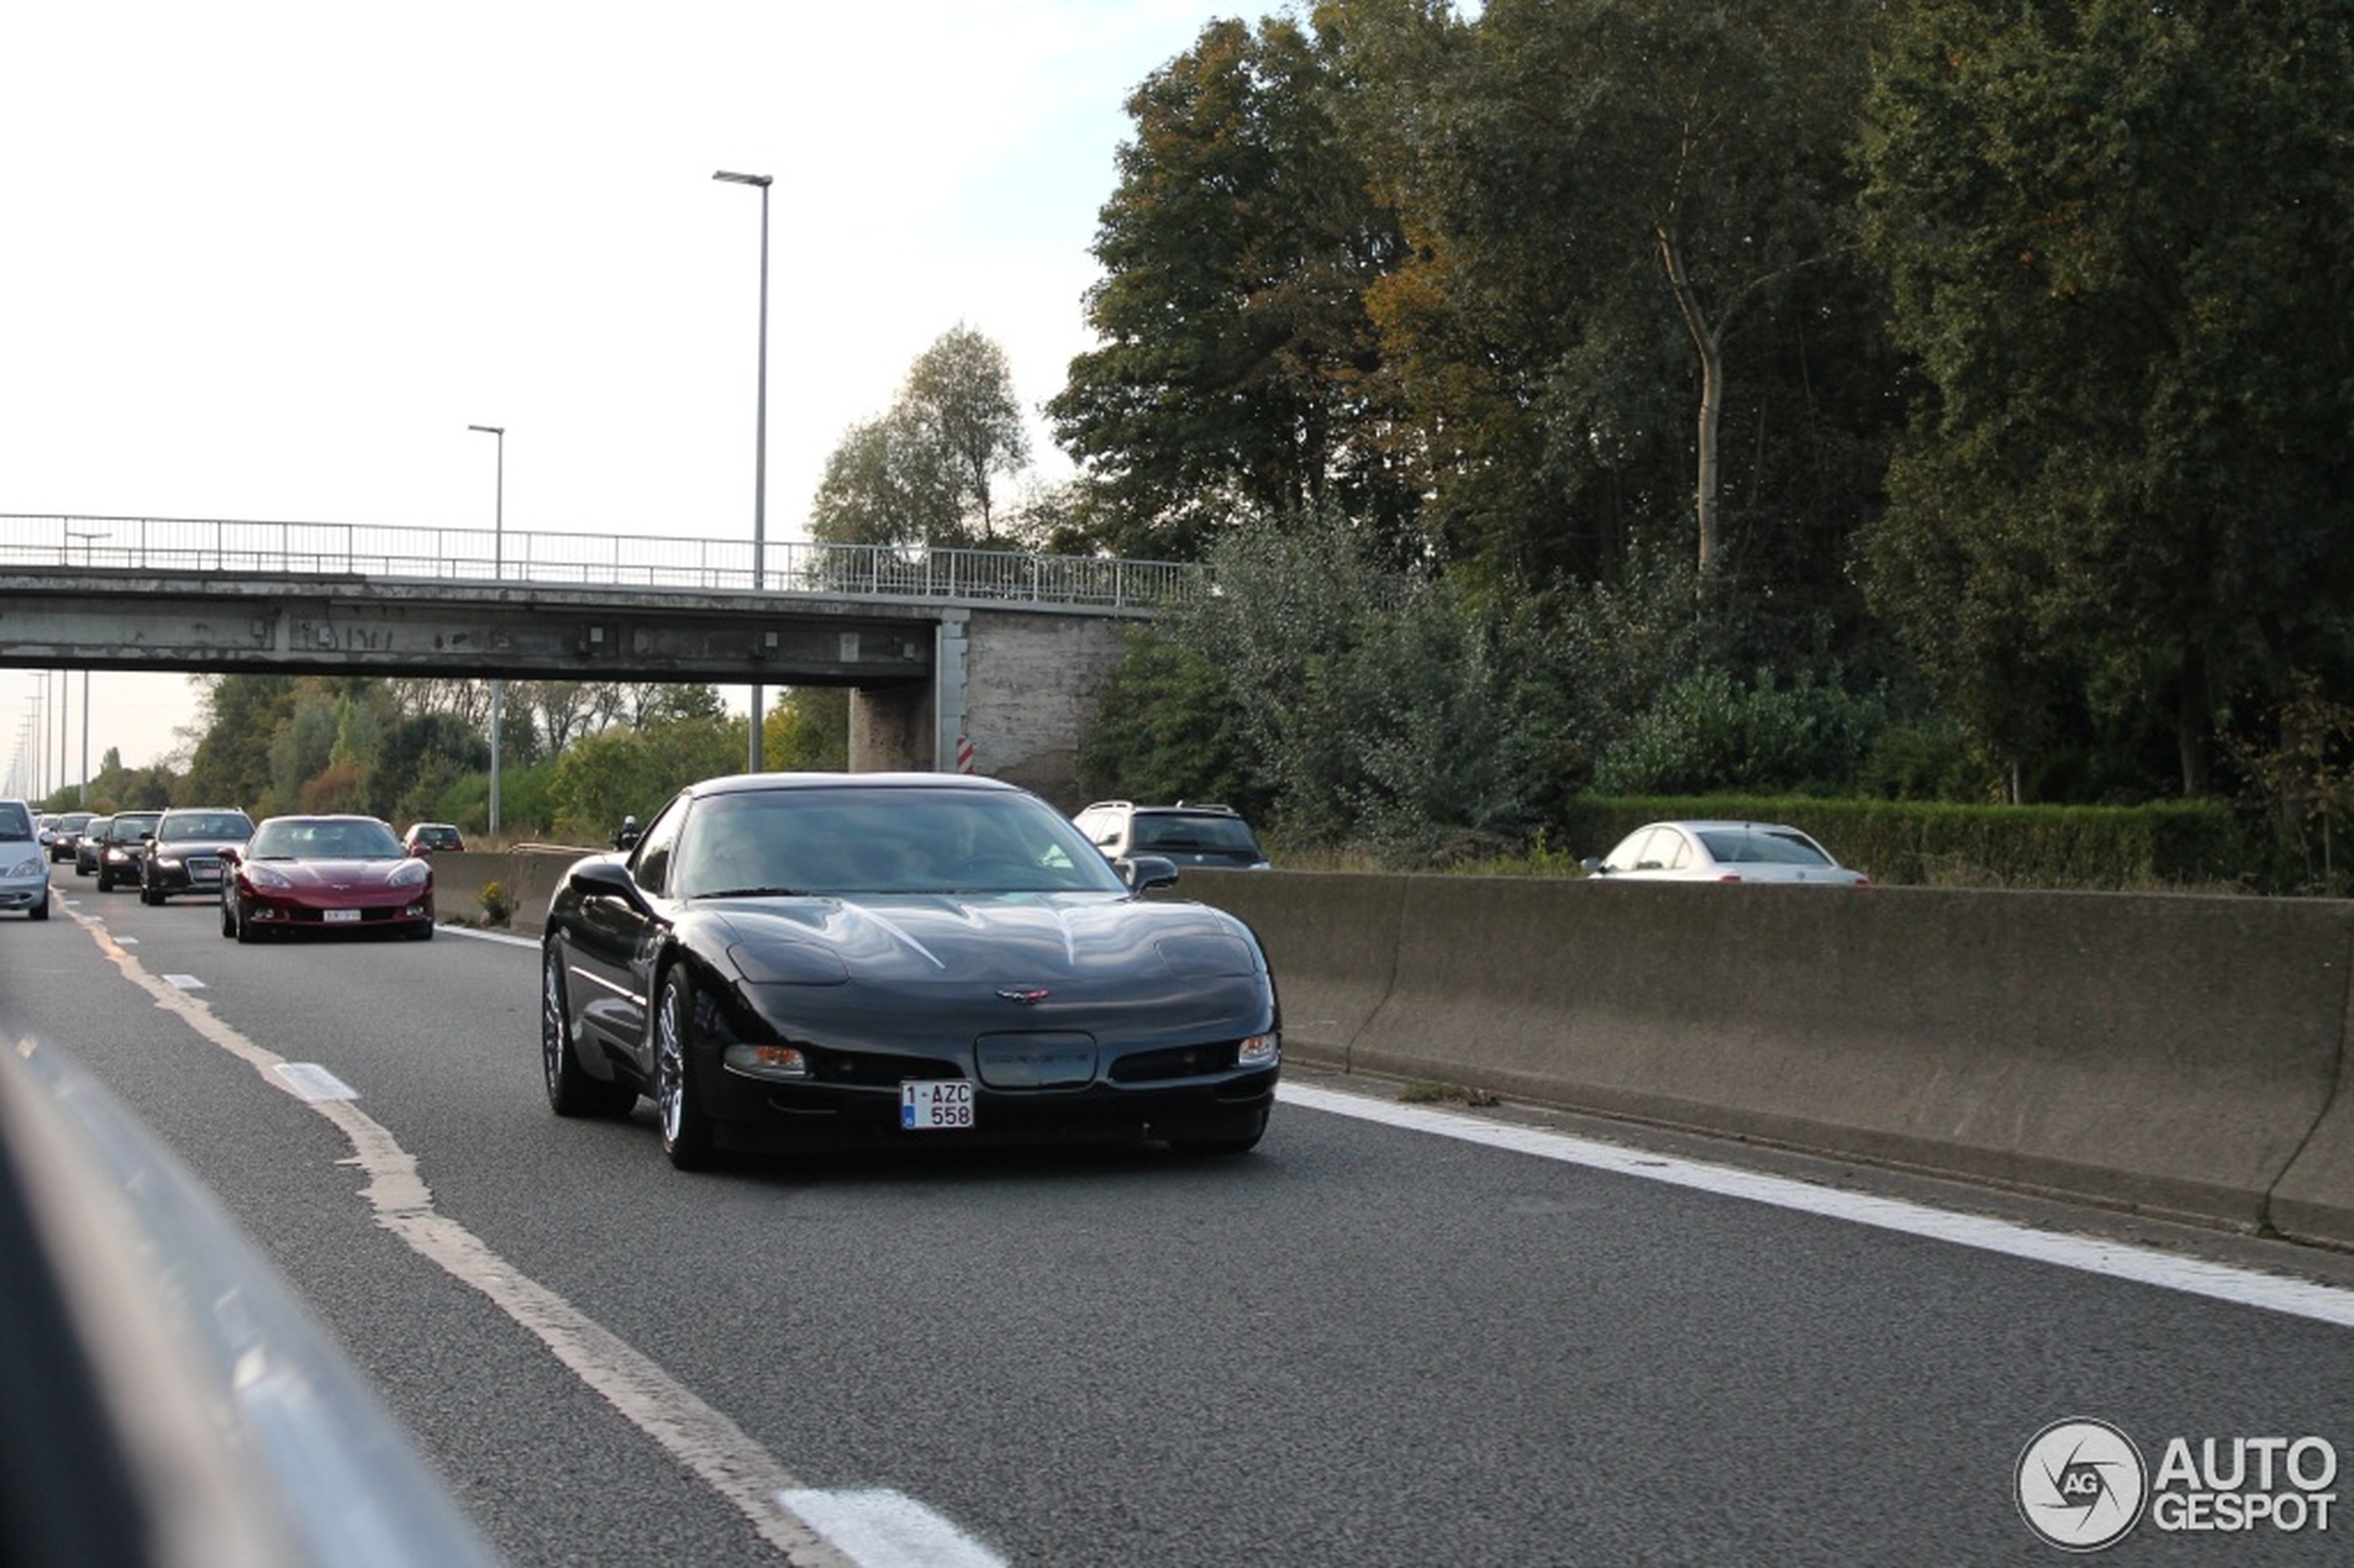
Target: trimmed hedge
<point>2175,844</point>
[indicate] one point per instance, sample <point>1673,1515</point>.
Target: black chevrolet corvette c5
<point>810,961</point>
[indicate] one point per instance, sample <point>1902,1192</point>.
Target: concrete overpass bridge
<point>1003,652</point>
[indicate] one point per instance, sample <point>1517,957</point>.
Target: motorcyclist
<point>626,836</point>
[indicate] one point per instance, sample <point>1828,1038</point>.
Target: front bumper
<point>761,1114</point>
<point>193,874</point>
<point>287,914</point>
<point>23,893</point>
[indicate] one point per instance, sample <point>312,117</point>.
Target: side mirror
<point>608,878</point>
<point>1145,872</point>
<point>230,854</point>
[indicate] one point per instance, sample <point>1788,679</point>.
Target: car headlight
<point>267,877</point>
<point>29,866</point>
<point>166,863</point>
<point>1261,1050</point>
<point>784,963</point>
<point>409,874</point>
<point>788,1062</point>
<point>1205,956</point>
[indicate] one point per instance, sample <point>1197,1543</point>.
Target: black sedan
<point>86,843</point>
<point>122,852</point>
<point>801,961</point>
<point>184,854</point>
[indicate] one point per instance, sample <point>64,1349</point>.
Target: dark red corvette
<point>325,874</point>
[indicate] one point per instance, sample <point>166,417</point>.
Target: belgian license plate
<point>204,877</point>
<point>333,915</point>
<point>926,1104</point>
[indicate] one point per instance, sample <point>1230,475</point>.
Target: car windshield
<point>221,825</point>
<point>883,841</point>
<point>329,839</point>
<point>15,821</point>
<point>1756,845</point>
<point>1191,832</point>
<point>132,824</point>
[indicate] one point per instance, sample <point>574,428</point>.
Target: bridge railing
<point>480,555</point>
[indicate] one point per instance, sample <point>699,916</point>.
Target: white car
<point>1722,852</point>
<point>25,864</point>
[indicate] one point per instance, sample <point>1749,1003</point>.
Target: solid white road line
<point>2122,1261</point>
<point>700,1437</point>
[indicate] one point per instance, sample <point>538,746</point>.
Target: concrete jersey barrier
<point>2179,1056</point>
<point>2174,1055</point>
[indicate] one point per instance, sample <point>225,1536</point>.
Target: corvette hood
<point>333,873</point>
<point>1045,939</point>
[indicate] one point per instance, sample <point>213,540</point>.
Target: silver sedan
<point>1722,852</point>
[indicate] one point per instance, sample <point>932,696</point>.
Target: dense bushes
<point>1364,715</point>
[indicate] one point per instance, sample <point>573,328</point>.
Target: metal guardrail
<point>476,555</point>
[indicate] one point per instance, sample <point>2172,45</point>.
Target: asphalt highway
<point>1368,1342</point>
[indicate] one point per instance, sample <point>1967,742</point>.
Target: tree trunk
<point>1709,345</point>
<point>2191,720</point>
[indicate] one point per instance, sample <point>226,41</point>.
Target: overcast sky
<point>269,261</point>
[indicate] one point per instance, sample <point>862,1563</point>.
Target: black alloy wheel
<point>686,1127</point>
<point>571,1090</point>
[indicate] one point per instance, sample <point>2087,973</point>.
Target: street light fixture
<point>760,441</point>
<point>499,572</point>
<point>499,516</point>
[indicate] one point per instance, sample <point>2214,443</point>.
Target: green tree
<point>630,772</point>
<point>300,747</point>
<point>924,473</point>
<point>1170,728</point>
<point>686,700</point>
<point>239,716</point>
<point>2126,496</point>
<point>885,485</point>
<point>1375,703</point>
<point>417,758</point>
<point>1235,250</point>
<point>808,730</point>
<point>960,394</point>
<point>1628,220</point>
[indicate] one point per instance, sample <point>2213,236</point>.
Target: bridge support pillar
<point>891,730</point>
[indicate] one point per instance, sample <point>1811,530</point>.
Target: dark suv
<point>427,838</point>
<point>124,851</point>
<point>1188,834</point>
<point>184,854</point>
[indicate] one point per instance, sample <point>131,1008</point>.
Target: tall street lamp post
<point>499,572</point>
<point>760,441</point>
<point>89,547</point>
